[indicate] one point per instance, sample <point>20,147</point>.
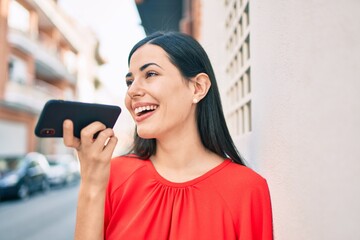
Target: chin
<point>145,134</point>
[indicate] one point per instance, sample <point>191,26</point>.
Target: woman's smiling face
<point>158,98</point>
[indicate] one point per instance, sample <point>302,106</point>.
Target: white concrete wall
<point>305,62</point>
<point>212,36</point>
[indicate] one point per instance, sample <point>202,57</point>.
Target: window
<point>239,67</point>
<point>33,164</point>
<point>19,17</point>
<point>70,61</point>
<point>17,69</point>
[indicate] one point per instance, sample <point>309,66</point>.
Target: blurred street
<point>288,75</point>
<point>43,216</point>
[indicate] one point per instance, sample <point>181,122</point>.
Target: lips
<point>143,110</point>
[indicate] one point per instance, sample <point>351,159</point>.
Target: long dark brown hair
<point>191,59</point>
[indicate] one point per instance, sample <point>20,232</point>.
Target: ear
<point>202,85</point>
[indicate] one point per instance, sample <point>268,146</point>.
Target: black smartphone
<point>50,122</point>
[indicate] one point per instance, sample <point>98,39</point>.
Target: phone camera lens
<point>48,131</point>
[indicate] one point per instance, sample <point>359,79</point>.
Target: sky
<point>117,25</point>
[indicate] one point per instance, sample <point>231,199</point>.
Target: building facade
<point>175,15</point>
<point>289,75</point>
<point>43,55</point>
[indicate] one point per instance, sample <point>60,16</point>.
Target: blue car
<point>22,175</point>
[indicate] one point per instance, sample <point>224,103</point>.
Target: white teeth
<point>144,108</point>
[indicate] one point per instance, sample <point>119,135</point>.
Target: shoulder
<point>123,167</point>
<point>241,188</point>
<point>236,182</point>
<point>247,197</point>
<point>242,176</point>
<point>126,162</point>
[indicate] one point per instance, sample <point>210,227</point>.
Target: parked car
<point>22,175</point>
<point>57,174</point>
<point>64,169</point>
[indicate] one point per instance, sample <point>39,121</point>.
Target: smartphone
<point>50,122</point>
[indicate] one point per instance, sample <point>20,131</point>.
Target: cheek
<point>127,102</point>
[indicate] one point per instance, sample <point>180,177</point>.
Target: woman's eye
<point>151,74</point>
<point>129,82</point>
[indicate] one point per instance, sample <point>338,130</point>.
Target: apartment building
<point>175,15</point>
<point>43,55</point>
<point>289,75</point>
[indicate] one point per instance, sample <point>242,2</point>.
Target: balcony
<point>48,64</point>
<point>31,97</point>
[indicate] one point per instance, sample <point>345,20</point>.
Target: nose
<point>135,90</point>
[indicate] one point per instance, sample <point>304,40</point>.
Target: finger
<point>103,138</point>
<point>68,134</point>
<point>87,133</point>
<point>110,147</point>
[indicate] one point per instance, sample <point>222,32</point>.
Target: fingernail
<point>66,122</point>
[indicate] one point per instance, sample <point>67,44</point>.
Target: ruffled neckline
<point>188,183</point>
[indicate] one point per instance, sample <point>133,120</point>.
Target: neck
<point>183,158</point>
<point>180,154</point>
<point>183,149</point>
<point>179,151</point>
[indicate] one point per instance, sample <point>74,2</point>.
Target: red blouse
<point>228,202</point>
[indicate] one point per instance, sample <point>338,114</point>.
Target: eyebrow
<point>143,67</point>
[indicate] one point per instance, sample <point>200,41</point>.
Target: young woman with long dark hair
<point>184,178</point>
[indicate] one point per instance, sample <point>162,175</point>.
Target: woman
<point>184,178</point>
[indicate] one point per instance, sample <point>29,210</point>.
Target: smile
<point>144,109</point>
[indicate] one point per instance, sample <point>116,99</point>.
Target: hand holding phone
<point>50,123</point>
